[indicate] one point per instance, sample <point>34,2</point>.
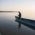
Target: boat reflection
<point>19,25</point>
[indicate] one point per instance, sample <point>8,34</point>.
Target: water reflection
<point>19,25</point>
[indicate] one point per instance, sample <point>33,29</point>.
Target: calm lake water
<point>8,25</point>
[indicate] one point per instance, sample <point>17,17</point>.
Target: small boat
<point>26,21</point>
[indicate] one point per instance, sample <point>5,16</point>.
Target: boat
<point>25,21</point>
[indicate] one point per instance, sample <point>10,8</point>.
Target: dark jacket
<point>19,14</point>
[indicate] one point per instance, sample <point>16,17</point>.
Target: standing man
<point>19,15</point>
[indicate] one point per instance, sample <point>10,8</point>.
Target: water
<point>8,25</point>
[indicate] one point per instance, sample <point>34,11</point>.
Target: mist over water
<point>8,25</point>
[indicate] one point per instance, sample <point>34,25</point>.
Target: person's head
<point>19,12</point>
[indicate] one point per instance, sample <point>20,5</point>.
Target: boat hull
<point>32,24</point>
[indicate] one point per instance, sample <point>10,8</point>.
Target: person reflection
<point>19,25</point>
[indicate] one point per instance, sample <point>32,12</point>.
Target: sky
<point>26,7</point>
<point>17,5</point>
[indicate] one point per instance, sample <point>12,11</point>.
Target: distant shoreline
<point>6,11</point>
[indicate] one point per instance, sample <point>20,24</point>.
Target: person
<point>19,15</point>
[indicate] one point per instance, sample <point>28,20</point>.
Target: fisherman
<point>19,15</point>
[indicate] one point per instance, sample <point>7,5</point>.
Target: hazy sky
<point>17,5</point>
<point>27,7</point>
